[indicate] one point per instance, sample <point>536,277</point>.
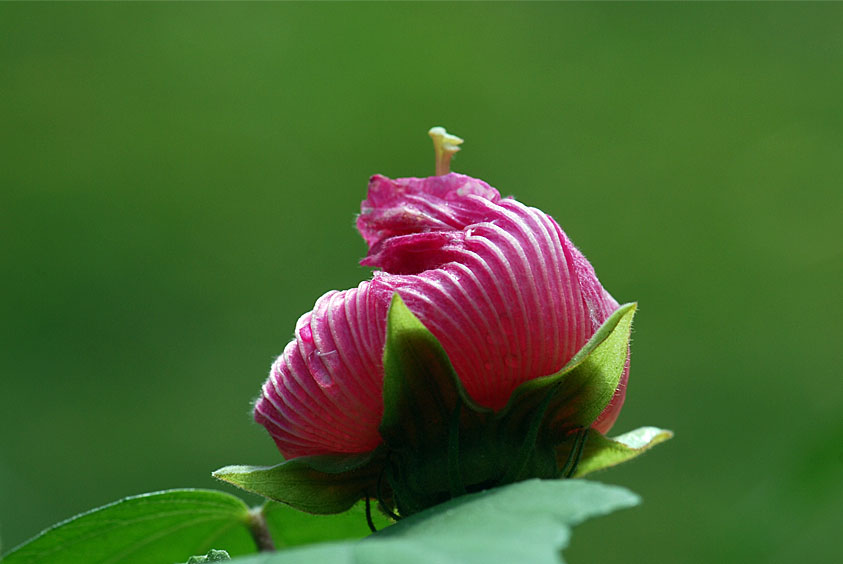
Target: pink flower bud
<point>498,283</point>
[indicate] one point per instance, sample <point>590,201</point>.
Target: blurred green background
<point>178,184</point>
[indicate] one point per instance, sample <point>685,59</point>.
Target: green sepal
<point>427,412</point>
<point>315,484</point>
<point>582,389</point>
<point>418,379</point>
<point>544,412</point>
<point>603,452</point>
<point>440,443</point>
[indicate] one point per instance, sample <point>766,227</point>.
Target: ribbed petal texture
<point>498,283</point>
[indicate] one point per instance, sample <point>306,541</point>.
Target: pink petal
<point>498,283</point>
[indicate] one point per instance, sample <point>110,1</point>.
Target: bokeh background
<point>178,184</point>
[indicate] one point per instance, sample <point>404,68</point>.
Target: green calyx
<point>439,444</point>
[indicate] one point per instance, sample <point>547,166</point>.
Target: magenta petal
<point>417,205</point>
<point>498,283</point>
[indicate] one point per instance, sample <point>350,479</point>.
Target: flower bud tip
<point>445,145</point>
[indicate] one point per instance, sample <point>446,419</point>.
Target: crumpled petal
<point>497,282</point>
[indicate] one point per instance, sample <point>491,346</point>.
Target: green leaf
<point>167,526</point>
<point>524,522</point>
<point>602,452</point>
<point>315,484</point>
<point>290,527</point>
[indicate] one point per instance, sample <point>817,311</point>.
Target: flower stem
<point>445,145</point>
<point>369,520</point>
<point>259,530</point>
